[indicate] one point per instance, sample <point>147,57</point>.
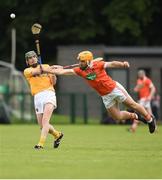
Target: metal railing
<point>72,105</point>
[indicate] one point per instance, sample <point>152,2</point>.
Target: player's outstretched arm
<point>59,71</point>
<point>116,64</point>
<point>57,67</point>
<point>28,72</point>
<point>152,91</point>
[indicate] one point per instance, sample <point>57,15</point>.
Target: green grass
<point>57,119</point>
<point>87,151</point>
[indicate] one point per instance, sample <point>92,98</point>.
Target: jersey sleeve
<point>148,82</point>
<point>77,70</point>
<point>28,73</point>
<point>101,64</point>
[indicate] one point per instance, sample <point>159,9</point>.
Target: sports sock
<point>55,133</point>
<point>148,118</point>
<point>42,141</point>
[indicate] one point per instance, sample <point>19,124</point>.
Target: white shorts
<point>42,98</point>
<point>145,103</point>
<point>118,95</point>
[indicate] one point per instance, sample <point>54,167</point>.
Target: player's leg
<point>134,126</point>
<point>44,111</point>
<point>119,115</point>
<point>116,114</point>
<point>136,122</point>
<point>121,95</point>
<point>149,110</point>
<point>111,100</point>
<point>39,119</point>
<point>51,99</point>
<point>147,105</point>
<point>147,117</point>
<point>129,102</point>
<point>57,136</point>
<point>52,131</point>
<point>43,121</point>
<point>48,128</point>
<point>48,109</point>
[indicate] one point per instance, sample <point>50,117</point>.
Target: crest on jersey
<point>91,76</point>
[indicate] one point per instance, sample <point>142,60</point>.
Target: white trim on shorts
<point>42,98</point>
<point>118,95</point>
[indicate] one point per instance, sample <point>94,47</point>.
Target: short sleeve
<point>148,82</point>
<point>28,73</point>
<point>77,70</point>
<point>101,64</point>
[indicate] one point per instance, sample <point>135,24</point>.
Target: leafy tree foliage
<point>109,22</point>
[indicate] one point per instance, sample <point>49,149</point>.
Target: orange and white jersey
<point>97,77</point>
<point>144,90</point>
<point>40,82</point>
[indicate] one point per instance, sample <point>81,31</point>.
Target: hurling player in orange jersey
<point>111,92</point>
<point>42,88</point>
<point>145,89</point>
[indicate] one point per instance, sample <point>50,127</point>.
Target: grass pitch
<point>87,151</point>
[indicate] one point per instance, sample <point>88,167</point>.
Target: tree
<point>109,22</point>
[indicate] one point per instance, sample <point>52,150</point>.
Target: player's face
<point>33,61</point>
<point>140,75</point>
<point>83,64</point>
